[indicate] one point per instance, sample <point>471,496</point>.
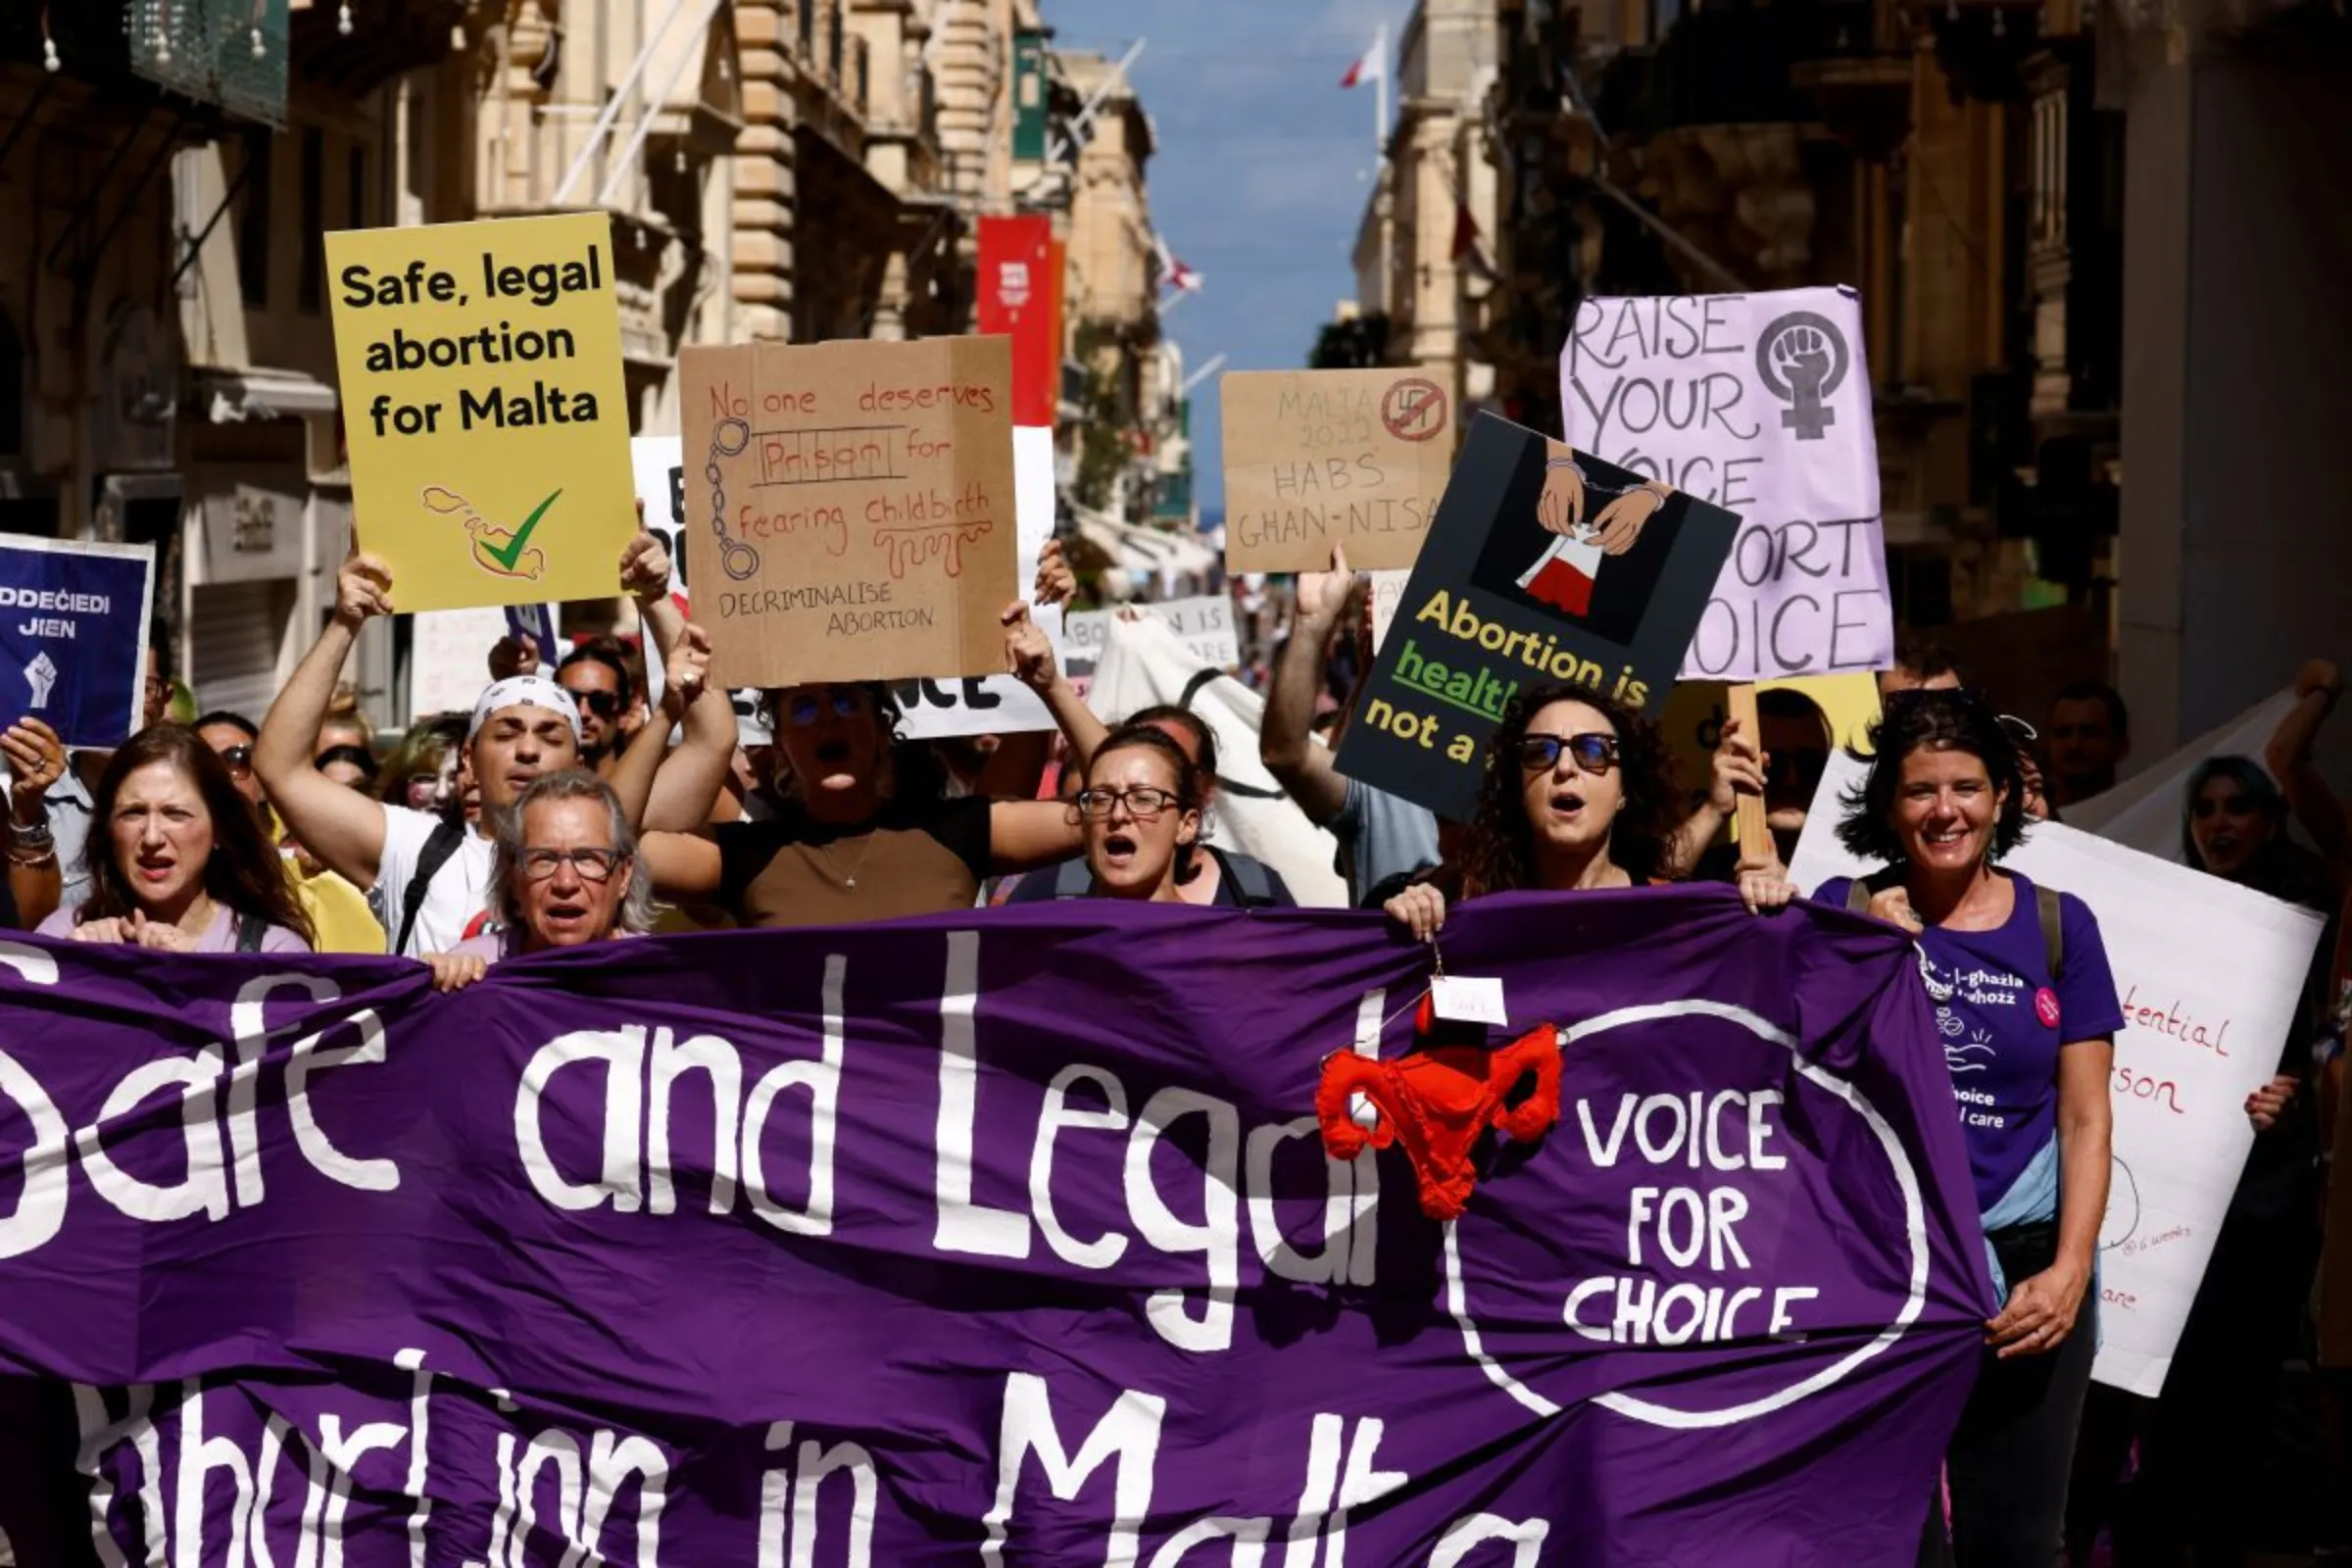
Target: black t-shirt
<point>913,857</point>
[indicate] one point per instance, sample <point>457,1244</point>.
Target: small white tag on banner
<point>1467,999</point>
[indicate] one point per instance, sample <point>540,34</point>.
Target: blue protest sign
<point>537,626</point>
<point>73,636</point>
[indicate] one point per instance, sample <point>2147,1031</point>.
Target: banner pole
<point>1748,822</point>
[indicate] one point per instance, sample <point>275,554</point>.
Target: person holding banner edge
<point>185,865</point>
<point>2027,1009</point>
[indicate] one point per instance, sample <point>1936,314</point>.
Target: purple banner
<point>1001,1238</point>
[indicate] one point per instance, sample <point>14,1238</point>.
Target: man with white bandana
<point>430,873</point>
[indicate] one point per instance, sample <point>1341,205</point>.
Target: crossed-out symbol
<point>1413,410</point>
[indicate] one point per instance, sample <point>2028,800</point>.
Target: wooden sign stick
<point>1748,818</point>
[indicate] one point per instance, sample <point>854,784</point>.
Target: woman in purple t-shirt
<point>2031,1053</point>
<point>176,859</point>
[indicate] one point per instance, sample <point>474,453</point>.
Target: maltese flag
<point>1370,67</point>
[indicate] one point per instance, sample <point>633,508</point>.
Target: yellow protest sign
<point>1320,457</point>
<point>1838,711</point>
<point>850,508</point>
<point>484,408</point>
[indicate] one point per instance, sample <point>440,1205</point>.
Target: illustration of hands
<point>1561,506</point>
<point>1620,522</point>
<point>1804,356</point>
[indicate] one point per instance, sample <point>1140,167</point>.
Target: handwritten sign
<point>1760,404</point>
<point>1388,592</point>
<point>1320,457</point>
<point>2211,978</point>
<point>999,704</point>
<point>482,397</point>
<point>73,625</point>
<point>1545,567</point>
<point>851,507</point>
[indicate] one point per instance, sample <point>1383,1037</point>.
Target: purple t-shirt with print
<point>2003,1020</point>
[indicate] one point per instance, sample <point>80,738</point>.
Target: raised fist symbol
<point>41,676</point>
<point>1804,356</point>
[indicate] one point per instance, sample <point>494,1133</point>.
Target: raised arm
<point>36,759</point>
<point>1029,655</point>
<point>685,866</point>
<point>686,782</point>
<point>2318,686</point>
<point>1286,741</point>
<point>1737,769</point>
<point>342,827</point>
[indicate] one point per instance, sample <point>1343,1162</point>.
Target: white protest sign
<point>1759,402</point>
<point>2211,977</point>
<point>2146,810</point>
<point>1203,626</point>
<point>449,658</point>
<point>999,704</point>
<point>1388,592</point>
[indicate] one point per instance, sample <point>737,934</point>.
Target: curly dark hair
<point>244,875</point>
<point>1499,854</point>
<point>1931,721</point>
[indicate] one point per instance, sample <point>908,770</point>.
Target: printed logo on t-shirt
<point>2046,1007</point>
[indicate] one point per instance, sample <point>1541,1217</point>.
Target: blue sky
<point>1262,173</point>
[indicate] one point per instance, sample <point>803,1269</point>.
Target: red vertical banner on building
<point>1020,296</point>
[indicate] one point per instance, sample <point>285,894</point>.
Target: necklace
<point>849,878</point>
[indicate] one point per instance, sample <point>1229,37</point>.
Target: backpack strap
<point>439,846</point>
<point>1249,876</point>
<point>1073,879</point>
<point>251,928</point>
<point>2053,930</point>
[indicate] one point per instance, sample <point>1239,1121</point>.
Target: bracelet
<point>33,862</point>
<point>35,835</point>
<point>1562,463</point>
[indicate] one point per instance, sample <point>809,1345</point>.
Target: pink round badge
<point>2046,1007</point>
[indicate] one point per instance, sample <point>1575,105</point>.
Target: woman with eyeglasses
<point>177,861</point>
<point>564,871</point>
<point>2027,1008</point>
<point>1141,809</point>
<point>1579,796</point>
<point>865,830</point>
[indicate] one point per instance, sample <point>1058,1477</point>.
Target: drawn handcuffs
<point>729,438</point>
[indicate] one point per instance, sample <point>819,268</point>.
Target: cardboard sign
<point>1760,404</point>
<point>1696,712</point>
<point>999,704</point>
<point>1519,588</point>
<point>482,398</point>
<point>852,515</point>
<point>2211,978</point>
<point>74,637</point>
<point>1388,592</point>
<point>1320,457</point>
<point>449,658</point>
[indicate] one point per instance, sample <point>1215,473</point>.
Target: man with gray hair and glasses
<point>564,872</point>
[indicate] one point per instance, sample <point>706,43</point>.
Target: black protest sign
<point>1544,566</point>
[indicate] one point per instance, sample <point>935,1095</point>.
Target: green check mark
<point>512,551</point>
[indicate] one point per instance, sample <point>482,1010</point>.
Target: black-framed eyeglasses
<point>806,708</point>
<point>1144,802</point>
<point>603,704</point>
<point>1594,752</point>
<point>237,758</point>
<point>594,866</point>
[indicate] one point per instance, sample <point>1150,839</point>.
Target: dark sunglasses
<point>1594,752</point>
<point>1909,695</point>
<point>604,705</point>
<point>808,707</point>
<point>238,758</point>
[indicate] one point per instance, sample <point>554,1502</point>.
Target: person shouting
<point>177,860</point>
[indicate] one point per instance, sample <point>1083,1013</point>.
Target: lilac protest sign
<point>1003,1239</point>
<point>1759,402</point>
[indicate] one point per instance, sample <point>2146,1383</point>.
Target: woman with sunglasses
<point>177,861</point>
<point>1143,806</point>
<point>564,871</point>
<point>864,829</point>
<point>1579,796</point>
<point>2028,1010</point>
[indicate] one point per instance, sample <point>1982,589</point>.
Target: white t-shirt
<point>457,892</point>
